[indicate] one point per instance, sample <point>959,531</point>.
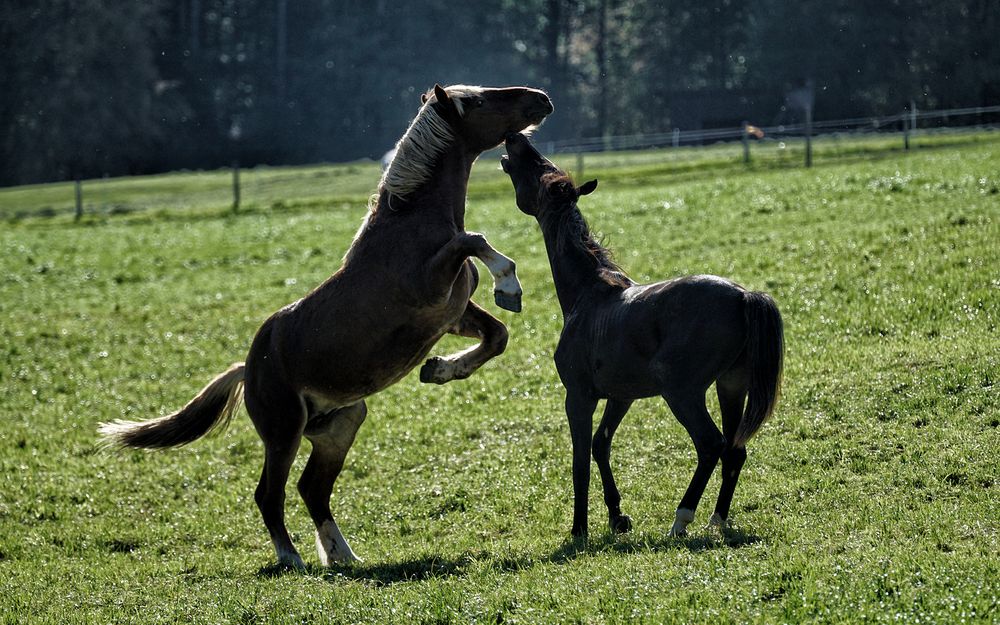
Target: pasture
<point>871,496</point>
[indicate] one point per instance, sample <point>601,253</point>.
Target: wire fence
<point>351,183</point>
<point>910,121</point>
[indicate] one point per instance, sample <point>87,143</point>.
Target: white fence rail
<point>906,122</point>
<point>279,187</point>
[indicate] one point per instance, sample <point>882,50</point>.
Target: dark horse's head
<point>538,183</point>
<point>482,116</point>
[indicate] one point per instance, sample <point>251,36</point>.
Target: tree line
<point>111,87</point>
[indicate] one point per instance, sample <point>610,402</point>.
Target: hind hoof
<point>621,524</point>
<point>717,523</point>
<point>507,301</point>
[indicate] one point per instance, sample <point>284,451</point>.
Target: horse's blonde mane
<point>423,142</point>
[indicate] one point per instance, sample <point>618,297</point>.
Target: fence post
<point>809,132</point>
<point>79,200</point>
<point>579,165</point>
<point>746,143</point>
<point>236,186</point>
<point>677,137</point>
<point>913,118</point>
<point>906,129</point>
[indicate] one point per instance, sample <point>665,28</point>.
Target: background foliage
<point>96,87</point>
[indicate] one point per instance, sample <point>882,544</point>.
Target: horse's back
<point>702,324</point>
<point>637,341</point>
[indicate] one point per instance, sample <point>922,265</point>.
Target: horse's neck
<point>442,197</point>
<point>574,270</point>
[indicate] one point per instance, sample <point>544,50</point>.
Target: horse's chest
<point>605,361</point>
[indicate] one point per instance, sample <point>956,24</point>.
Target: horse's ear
<point>587,188</point>
<point>423,98</point>
<point>444,99</point>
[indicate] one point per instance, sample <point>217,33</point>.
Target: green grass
<point>872,496</point>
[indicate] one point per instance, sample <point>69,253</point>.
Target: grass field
<point>872,496</point>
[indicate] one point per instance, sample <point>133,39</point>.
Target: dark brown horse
<point>622,341</point>
<point>405,282</point>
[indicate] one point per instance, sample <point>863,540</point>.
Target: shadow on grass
<point>607,543</point>
<point>435,567</point>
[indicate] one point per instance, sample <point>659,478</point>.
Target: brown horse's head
<point>538,183</point>
<point>467,119</point>
<point>481,117</point>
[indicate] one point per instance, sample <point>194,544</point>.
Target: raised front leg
<point>580,412</point>
<point>614,411</point>
<point>475,323</point>
<point>445,265</point>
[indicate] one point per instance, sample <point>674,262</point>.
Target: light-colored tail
<point>212,408</point>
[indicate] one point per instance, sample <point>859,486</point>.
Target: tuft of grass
<point>871,496</point>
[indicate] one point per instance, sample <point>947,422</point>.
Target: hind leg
<point>689,408</point>
<point>331,436</point>
<point>614,412</point>
<point>732,391</point>
<point>279,423</point>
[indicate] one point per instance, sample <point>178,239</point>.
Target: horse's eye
<point>479,102</point>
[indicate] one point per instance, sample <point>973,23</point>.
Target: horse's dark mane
<point>575,232</point>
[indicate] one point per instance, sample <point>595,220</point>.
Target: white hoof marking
<point>716,521</point>
<point>682,519</point>
<point>332,546</point>
<point>509,285</point>
<point>504,273</point>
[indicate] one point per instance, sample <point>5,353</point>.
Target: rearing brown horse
<point>405,282</point>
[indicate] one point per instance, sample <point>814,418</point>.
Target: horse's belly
<point>341,348</point>
<point>349,365</point>
<point>627,382</point>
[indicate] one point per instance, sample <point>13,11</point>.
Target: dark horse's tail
<point>765,351</point>
<point>212,407</point>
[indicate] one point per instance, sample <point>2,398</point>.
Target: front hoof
<point>291,562</point>
<point>435,371</point>
<point>511,302</point>
<point>678,533</point>
<point>579,533</point>
<point>621,524</point>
